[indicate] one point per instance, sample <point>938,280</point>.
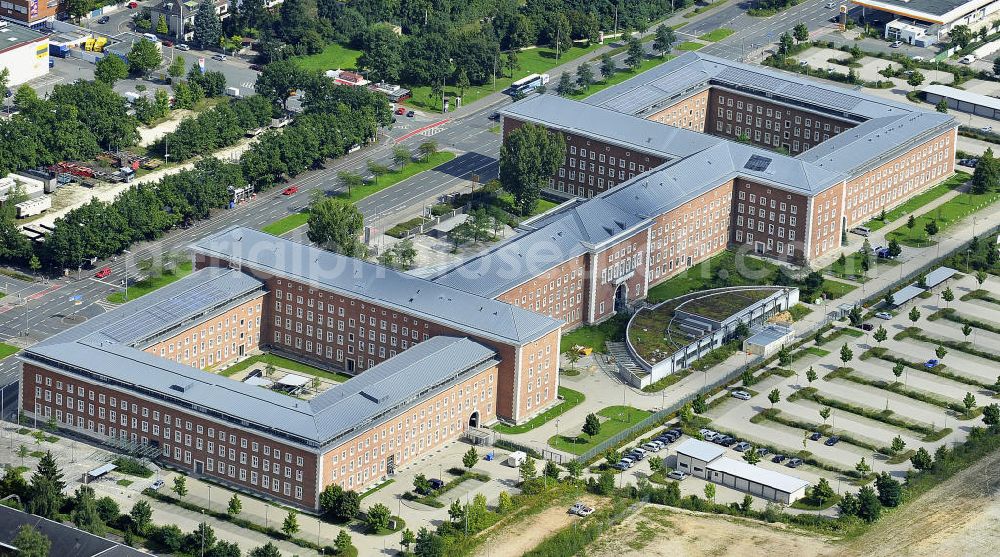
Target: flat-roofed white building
<point>706,460</point>
<point>693,456</point>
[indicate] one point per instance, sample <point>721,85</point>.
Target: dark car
<point>867,326</point>
<point>409,114</point>
<point>831,441</point>
<point>794,462</point>
<point>816,436</point>
<point>104,19</point>
<point>779,458</point>
<point>435,483</point>
<point>495,116</point>
<point>256,67</point>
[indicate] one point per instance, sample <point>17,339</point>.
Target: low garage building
<point>768,340</point>
<point>24,52</point>
<point>705,460</point>
<point>693,456</point>
<point>754,480</point>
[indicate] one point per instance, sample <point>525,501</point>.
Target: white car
<point>677,475</point>
<point>220,57</point>
<point>156,485</point>
<point>918,58</point>
<point>182,47</point>
<point>896,44</point>
<point>581,510</point>
<point>883,315</point>
<point>742,395</point>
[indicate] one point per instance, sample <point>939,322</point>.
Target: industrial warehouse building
<point>24,52</point>
<point>705,460</point>
<point>430,362</point>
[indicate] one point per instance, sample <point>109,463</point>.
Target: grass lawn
<point>594,336</point>
<point>617,419</point>
<point>809,504</point>
<point>534,60</point>
<point>799,311</point>
<point>543,205</point>
<point>716,35</point>
<point>817,351</point>
<point>147,285</point>
<point>620,76</point>
<point>835,289</point>
<point>7,350</point>
<point>945,215</point>
<point>284,363</point>
<point>287,224</point>
<point>571,398</point>
<point>851,268</point>
<point>333,57</point>
<point>689,45</point>
<point>398,175</point>
<point>124,482</point>
<point>740,270</point>
<point>919,201</point>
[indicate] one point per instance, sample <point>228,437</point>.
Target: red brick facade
<point>221,339</point>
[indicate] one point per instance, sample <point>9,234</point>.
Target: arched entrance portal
<point>621,297</point>
<point>474,419</point>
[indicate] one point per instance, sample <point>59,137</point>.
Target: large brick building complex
<point>692,157</point>
<point>430,362</point>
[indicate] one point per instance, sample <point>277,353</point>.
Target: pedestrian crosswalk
<point>247,85</point>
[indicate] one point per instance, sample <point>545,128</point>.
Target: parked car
<point>703,431</point>
<point>867,326</point>
<point>652,446</point>
<point>133,5</point>
<point>763,451</point>
<point>677,475</point>
<point>409,114</point>
<point>883,253</point>
<point>620,466</point>
<point>896,44</point>
<point>435,483</point>
<point>710,436</point>
<point>986,129</point>
<point>104,19</point>
<point>638,453</point>
<point>931,363</point>
<point>256,67</point>
<point>918,58</point>
<point>581,509</point>
<point>665,440</point>
<point>183,47</point>
<point>967,59</point>
<point>400,111</point>
<point>495,116</point>
<point>104,272</point>
<point>290,190</point>
<point>883,315</point>
<point>742,395</point>
<point>722,440</point>
<point>168,44</point>
<point>728,441</point>
<point>779,458</point>
<point>862,231</point>
<point>794,462</point>
<point>831,441</point>
<point>815,436</point>
<point>627,461</point>
<point>742,446</point>
<point>156,485</point>
<point>220,57</point>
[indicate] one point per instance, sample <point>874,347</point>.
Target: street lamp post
<point>128,253</point>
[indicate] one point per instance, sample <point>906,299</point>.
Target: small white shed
<point>515,459</point>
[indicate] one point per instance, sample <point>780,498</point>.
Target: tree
<point>527,470</point>
<point>961,35</point>
<point>869,507</point>
<point>822,491</point>
<point>785,44</point>
<point>880,334</point>
<point>504,503</point>
<point>940,352</point>
<point>31,543</point>
<point>635,53</point>
<point>911,222</point>
<point>931,228</point>
<point>591,425</point>
<point>428,544</point>
<point>855,316</point>
<point>456,511</point>
<point>848,505</point>
<point>699,404</point>
<point>529,155</point>
<point>291,524</point>
<point>894,248</point>
<point>921,460</point>
<point>897,370</point>
<point>144,58</point>
<point>574,468</point>
<point>110,69</point>
<point>278,80</point>
<point>800,32</point>
<point>862,467</point>
<point>747,377</point>
<point>846,354</point>
<point>207,27</point>
<point>141,516</point>
<point>85,514</point>
<point>774,396</point>
<point>991,414</point>
<point>235,506</point>
<point>382,55</point>
<point>408,538</point>
<point>377,169</point>
<point>784,356</point>
<point>914,315</point>
<point>811,375</point>
<point>605,483</point>
<point>45,490</point>
<point>401,155</point>
<point>608,67</point>
<point>966,331</point>
<point>986,177</point>
<point>336,225</point>
<point>551,470</point>
<point>421,484</point>
<point>584,75</point>
<point>270,550</point>
<point>825,413</point>
<point>710,491</point>
<point>161,25</point>
<point>980,277</point>
<point>969,401</point>
<point>180,486</point>
<point>427,148</point>
<point>378,517</point>
<point>664,39</point>
<point>897,444</point>
<point>470,458</point>
<point>751,456</point>
<point>565,86</point>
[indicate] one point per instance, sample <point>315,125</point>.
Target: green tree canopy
<point>336,225</point>
<point>529,155</point>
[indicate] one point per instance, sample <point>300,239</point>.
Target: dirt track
<point>519,538</point>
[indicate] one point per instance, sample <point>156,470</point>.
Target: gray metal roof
<point>66,541</point>
<point>963,96</point>
<point>441,303</point>
<point>939,275</point>
<point>769,334</point>
<point>170,308</point>
<point>375,395</point>
<point>701,450</point>
<point>930,7</point>
<point>758,474</point>
<point>662,85</point>
<point>906,294</point>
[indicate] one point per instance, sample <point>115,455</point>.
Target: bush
<point>132,467</point>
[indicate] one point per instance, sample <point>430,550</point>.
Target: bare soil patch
<point>663,532</point>
<point>519,538</point>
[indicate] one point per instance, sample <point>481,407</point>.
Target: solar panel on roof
<point>820,95</point>
<point>757,163</point>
